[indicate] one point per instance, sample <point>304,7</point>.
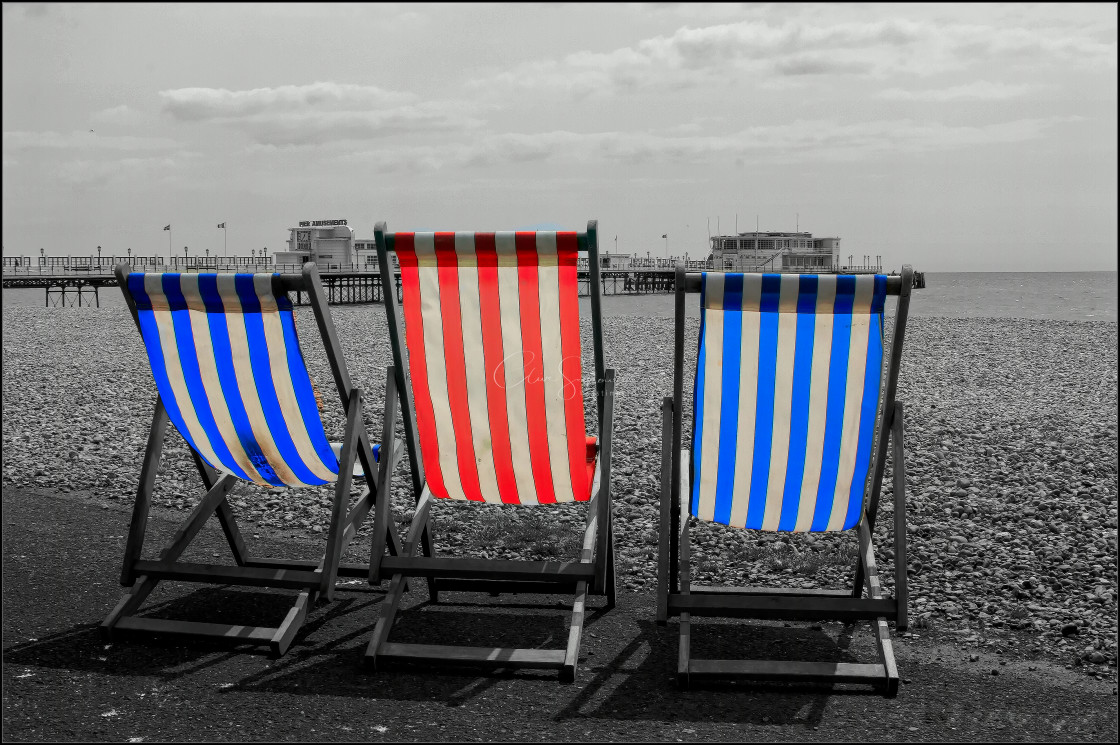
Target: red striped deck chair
<point>231,377</point>
<point>794,409</point>
<point>494,412</point>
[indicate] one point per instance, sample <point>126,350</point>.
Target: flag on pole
<point>664,235</point>
<point>167,227</point>
<point>221,225</point>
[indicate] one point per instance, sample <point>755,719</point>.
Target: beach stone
<point>1037,527</point>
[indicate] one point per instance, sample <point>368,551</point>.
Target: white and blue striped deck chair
<point>793,410</point>
<point>230,376</point>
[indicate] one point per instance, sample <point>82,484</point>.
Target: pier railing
<point>63,277</point>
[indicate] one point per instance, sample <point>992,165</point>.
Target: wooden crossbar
<point>225,575</point>
<point>488,656</point>
<point>348,569</point>
<point>496,586</point>
<point>255,634</point>
<point>794,671</point>
<point>792,608</point>
<point>783,591</point>
<point>895,283</point>
<point>565,572</point>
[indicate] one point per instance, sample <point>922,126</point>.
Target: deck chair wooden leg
<point>882,632</point>
<point>292,622</point>
<point>127,605</point>
<point>233,535</point>
<point>223,512</point>
<point>329,568</point>
<point>684,650</point>
<point>138,526</point>
<point>383,522</point>
<point>575,634</point>
<point>213,503</point>
<point>579,604</point>
<point>901,561</point>
<point>385,620</point>
<point>426,544</point>
<point>684,572</point>
<point>895,441</point>
<point>143,585</point>
<point>886,655</point>
<point>397,586</point>
<point>663,587</point>
<point>603,548</point>
<point>612,575</point>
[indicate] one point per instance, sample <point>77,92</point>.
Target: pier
<point>73,280</point>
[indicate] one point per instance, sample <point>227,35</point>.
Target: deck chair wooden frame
<point>593,572</point>
<point>677,596</point>
<point>314,579</point>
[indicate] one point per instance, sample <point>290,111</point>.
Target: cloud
<point>123,114</point>
<point>87,172</point>
<point>199,104</point>
<point>316,128</point>
<point>315,114</point>
<point>690,56</point>
<point>87,141</point>
<point>31,10</point>
<point>797,141</point>
<point>820,64</point>
<point>982,90</point>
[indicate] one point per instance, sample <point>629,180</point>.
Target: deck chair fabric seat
<point>231,377</point>
<point>787,384</point>
<point>793,406</point>
<point>493,396</point>
<point>230,372</point>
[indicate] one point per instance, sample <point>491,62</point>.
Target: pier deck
<point>82,284</point>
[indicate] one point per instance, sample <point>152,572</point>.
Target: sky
<point>951,137</point>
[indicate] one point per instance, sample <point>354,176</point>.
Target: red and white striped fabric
<point>492,331</point>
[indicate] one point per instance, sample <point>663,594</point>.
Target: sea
<point>1064,296</point>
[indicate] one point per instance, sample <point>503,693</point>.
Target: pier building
<point>757,251</point>
<point>331,244</point>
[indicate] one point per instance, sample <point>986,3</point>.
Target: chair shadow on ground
<point>468,619</point>
<point>638,681</point>
<point>81,648</point>
<point>627,667</point>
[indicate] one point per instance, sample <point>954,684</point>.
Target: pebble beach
<point>1011,443</point>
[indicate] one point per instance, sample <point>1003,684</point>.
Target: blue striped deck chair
<point>793,411</point>
<point>230,375</point>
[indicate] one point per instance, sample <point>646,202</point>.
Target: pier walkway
<point>79,280</point>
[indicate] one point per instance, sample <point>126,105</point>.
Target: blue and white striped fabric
<point>787,389</point>
<point>229,368</point>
